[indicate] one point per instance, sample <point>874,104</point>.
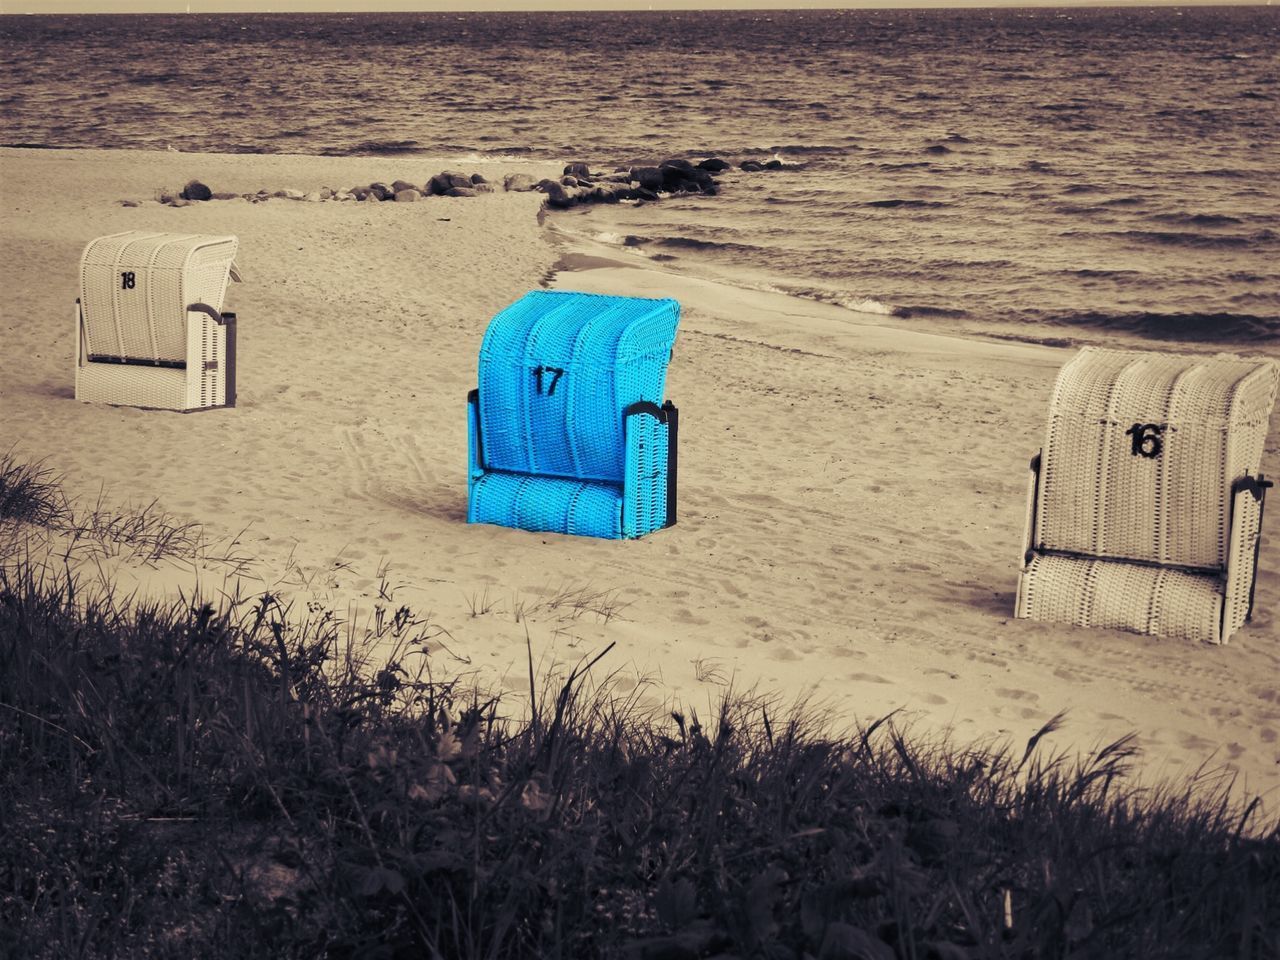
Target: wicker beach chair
<point>150,331</point>
<point>1145,505</point>
<point>568,429</point>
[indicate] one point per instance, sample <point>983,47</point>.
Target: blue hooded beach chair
<point>568,429</point>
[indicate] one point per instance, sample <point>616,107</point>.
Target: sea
<point>1056,171</point>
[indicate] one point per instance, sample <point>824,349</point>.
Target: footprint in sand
<point>867,678</point>
<point>932,698</point>
<point>1009,694</point>
<point>1197,743</point>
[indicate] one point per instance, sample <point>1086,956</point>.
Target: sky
<point>290,6</point>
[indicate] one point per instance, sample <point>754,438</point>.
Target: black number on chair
<point>1146,439</point>
<point>557,373</point>
<point>127,280</point>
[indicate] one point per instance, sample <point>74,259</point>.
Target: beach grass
<point>244,779</point>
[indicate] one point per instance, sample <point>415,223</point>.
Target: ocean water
<point>1100,169</point>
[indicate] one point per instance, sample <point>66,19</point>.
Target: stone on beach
<point>713,164</point>
<point>381,190</point>
<point>751,166</point>
<point>519,182</point>
<point>400,186</point>
<point>461,192</point>
<point>648,177</point>
<point>407,195</point>
<point>578,169</point>
<point>195,190</point>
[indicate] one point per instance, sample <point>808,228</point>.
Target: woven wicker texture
<point>135,288</point>
<point>548,504</point>
<point>557,369</point>
<point>1133,523</point>
<point>551,448</point>
<point>1204,419</point>
<point>1126,596</point>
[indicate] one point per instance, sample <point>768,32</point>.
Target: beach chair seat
<point>1145,505</point>
<point>568,429</point>
<point>149,326</point>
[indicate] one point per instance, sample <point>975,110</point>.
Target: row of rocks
<point>577,185</point>
<point>671,176</point>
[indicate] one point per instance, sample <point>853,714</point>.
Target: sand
<point>852,489</point>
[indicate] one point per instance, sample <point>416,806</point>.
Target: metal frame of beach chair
<point>149,328</point>
<point>1144,509</point>
<point>545,451</point>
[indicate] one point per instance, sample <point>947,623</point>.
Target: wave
<point>1197,219</point>
<point>693,243</point>
<point>1195,241</point>
<point>899,202</point>
<point>383,147</point>
<point>1196,327</point>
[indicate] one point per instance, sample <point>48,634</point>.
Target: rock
<point>313,197</point>
<point>371,197</point>
<point>408,196</point>
<point>226,195</point>
<point>343,195</point>
<point>713,164</point>
<point>457,179</point>
<point>685,177</point>
<point>613,192</point>
<point>130,203</point>
<point>461,192</point>
<point>519,182</point>
<point>381,191</point>
<point>556,194</point>
<point>289,194</point>
<point>648,177</point>
<point>326,193</point>
<point>179,202</point>
<point>483,188</point>
<point>751,166</point>
<point>578,170</point>
<point>569,181</point>
<point>195,190</point>
<point>693,180</point>
<point>477,178</point>
<point>773,165</point>
<point>644,193</point>
<point>401,185</point>
<point>359,193</point>
<point>438,185</point>
<point>676,162</point>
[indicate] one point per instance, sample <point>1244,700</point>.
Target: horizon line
<point>217,7</point>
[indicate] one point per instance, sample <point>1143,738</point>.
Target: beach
<point>851,494</point>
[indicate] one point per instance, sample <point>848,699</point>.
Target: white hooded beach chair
<point>150,331</point>
<point>1145,506</point>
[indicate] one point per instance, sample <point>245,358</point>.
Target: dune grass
<point>182,780</point>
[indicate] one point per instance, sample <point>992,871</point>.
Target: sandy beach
<point>852,488</point>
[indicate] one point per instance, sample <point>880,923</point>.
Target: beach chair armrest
<point>1248,500</point>
<point>651,434</point>
<point>218,318</point>
<point>1033,508</point>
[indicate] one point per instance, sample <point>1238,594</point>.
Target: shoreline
<point>852,491</point>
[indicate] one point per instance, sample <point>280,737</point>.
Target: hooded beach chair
<point>150,331</point>
<point>1145,505</point>
<point>568,429</point>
